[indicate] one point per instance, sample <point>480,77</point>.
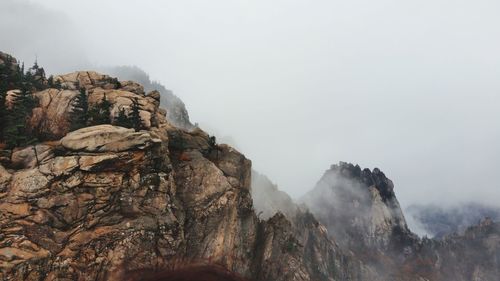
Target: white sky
<point>411,87</point>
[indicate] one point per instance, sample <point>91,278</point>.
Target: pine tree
<point>3,93</point>
<point>3,120</point>
<point>135,117</point>
<point>16,133</point>
<point>36,76</point>
<point>101,113</point>
<point>212,141</point>
<point>10,78</point>
<point>80,115</point>
<point>123,120</point>
<point>58,85</point>
<point>13,129</point>
<point>105,110</point>
<point>50,81</point>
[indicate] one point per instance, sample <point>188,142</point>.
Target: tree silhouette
<point>101,113</point>
<point>16,132</point>
<point>11,77</point>
<point>123,120</point>
<point>135,117</point>
<point>80,113</point>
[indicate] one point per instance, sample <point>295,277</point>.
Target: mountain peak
<point>367,177</point>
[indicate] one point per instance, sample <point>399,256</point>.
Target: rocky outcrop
<point>51,119</point>
<point>31,156</point>
<point>107,138</point>
<point>87,79</point>
<point>176,111</point>
<point>357,206</point>
<point>360,211</point>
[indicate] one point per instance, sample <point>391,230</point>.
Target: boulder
<point>154,94</point>
<point>87,79</point>
<point>106,138</point>
<point>31,156</point>
<point>97,162</point>
<point>52,116</point>
<point>60,165</point>
<point>133,87</point>
<point>4,178</point>
<point>26,185</point>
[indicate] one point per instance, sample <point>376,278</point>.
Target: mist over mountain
<point>278,75</point>
<point>32,31</point>
<point>269,200</point>
<point>361,213</point>
<point>96,183</point>
<point>106,175</point>
<point>439,221</point>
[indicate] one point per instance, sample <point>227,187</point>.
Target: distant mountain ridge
<point>439,221</point>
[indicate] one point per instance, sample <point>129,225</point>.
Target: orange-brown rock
<point>52,117</point>
<point>106,138</point>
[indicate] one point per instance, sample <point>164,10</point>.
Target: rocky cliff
<point>358,207</point>
<point>104,201</point>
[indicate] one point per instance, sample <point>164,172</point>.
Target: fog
<point>411,87</point>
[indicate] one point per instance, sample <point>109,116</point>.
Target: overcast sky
<point>411,87</point>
